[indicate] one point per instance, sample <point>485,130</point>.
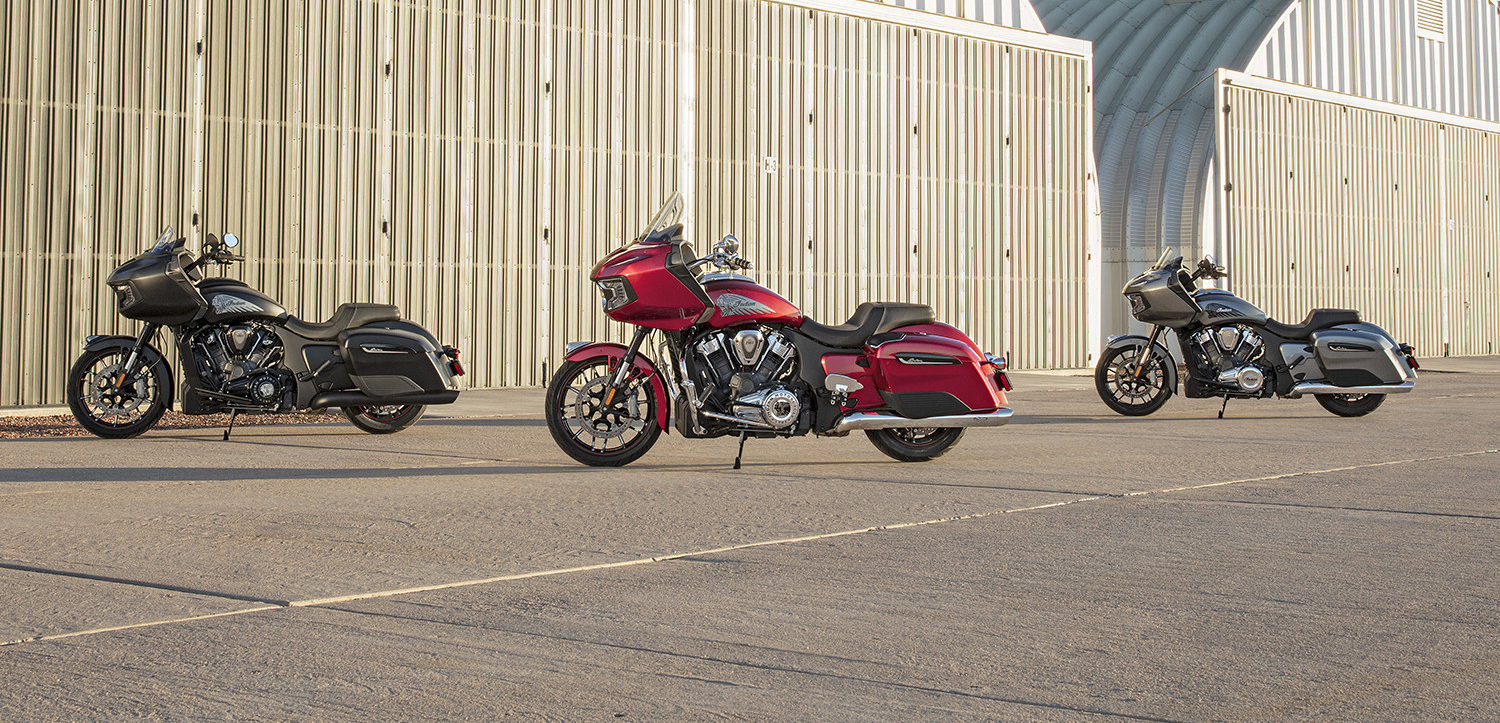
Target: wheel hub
<point>115,399</point>
<point>600,419</point>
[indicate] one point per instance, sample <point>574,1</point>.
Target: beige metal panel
<point>470,161</point>
<point>1338,205</point>
<point>863,160</point>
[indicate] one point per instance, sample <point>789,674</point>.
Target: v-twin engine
<point>747,374</point>
<point>242,364</point>
<point>1232,358</point>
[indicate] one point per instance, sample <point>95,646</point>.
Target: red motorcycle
<point>741,360</point>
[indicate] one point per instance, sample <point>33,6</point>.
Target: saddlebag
<point>1354,355</point>
<point>931,375</point>
<point>387,363</point>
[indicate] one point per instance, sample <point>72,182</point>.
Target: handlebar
<point>1207,269</point>
<point>725,261</point>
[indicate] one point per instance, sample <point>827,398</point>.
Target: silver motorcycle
<point>1232,349</point>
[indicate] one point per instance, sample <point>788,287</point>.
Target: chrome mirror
<point>231,240</point>
<point>729,244</point>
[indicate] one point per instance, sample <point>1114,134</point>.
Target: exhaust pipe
<point>886,421</point>
<point>359,399</point>
<point>1326,388</point>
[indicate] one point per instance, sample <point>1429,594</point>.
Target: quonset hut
<point>1351,160</point>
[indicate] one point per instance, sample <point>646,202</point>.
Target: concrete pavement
<point>1280,563</point>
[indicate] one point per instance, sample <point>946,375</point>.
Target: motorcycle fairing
<point>616,352</point>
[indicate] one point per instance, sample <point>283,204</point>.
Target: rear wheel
<point>1127,392</point>
<point>915,444</point>
<point>1350,405</point>
<point>596,427</point>
<point>385,419</point>
<point>110,404</point>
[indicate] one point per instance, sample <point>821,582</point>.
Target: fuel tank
<point>742,301</point>
<point>1222,307</point>
<point>232,300</point>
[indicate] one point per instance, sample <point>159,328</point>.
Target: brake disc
<point>114,400</point>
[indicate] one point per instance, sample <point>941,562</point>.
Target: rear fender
<point>1136,341</point>
<point>615,352</point>
<point>149,354</point>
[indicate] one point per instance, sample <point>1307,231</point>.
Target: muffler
<point>359,399</point>
<point>1326,388</point>
<point>867,420</point>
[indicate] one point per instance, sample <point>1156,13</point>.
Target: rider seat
<point>1316,319</point>
<point>347,316</point>
<point>869,319</point>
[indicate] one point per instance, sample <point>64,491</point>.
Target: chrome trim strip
<point>865,420</point>
<point>1325,388</point>
<point>573,346</point>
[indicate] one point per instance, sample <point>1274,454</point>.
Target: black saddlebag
<point>388,363</point>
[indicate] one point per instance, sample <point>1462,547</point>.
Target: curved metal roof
<point>1153,126</point>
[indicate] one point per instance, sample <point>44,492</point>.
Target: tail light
<point>1411,355</point>
<point>1003,381</point>
<point>453,363</point>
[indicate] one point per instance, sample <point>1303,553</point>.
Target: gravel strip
<point>64,425</point>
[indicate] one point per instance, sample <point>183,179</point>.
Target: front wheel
<point>1350,405</point>
<point>596,425</point>
<point>915,444</point>
<point>1128,391</point>
<point>385,419</point>
<point>112,403</point>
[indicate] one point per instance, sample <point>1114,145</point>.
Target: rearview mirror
<point>231,241</point>
<point>729,244</point>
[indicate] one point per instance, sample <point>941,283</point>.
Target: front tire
<point>915,444</point>
<point>1133,396</point>
<point>110,408</point>
<point>386,419</point>
<point>1350,405</point>
<point>594,431</point>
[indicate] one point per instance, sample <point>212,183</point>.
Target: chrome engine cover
<point>778,407</point>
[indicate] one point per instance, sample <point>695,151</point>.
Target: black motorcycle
<point>242,352</point>
<point>1233,350</point>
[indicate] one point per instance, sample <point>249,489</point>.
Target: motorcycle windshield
<point>164,241</point>
<point>1161,262</point>
<point>669,214</point>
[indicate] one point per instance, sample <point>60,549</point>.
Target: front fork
<point>147,334</point>
<point>627,362</point>
<point>1140,359</point>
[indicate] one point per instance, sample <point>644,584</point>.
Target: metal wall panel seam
<point>946,24</point>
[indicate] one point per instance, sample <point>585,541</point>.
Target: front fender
<point>1136,340</point>
<point>149,354</point>
<point>615,352</point>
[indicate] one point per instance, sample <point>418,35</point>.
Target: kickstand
<point>1226,406</point>
<point>741,452</point>
<point>232,415</point>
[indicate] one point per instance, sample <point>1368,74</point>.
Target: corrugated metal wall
<point>470,162</point>
<point>1372,48</point>
<point>1338,205</point>
<point>863,160</point>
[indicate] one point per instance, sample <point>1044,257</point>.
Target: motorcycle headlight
<point>616,291</point>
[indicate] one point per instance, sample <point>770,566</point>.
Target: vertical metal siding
<point>470,161</point>
<point>1334,205</point>
<point>860,160</point>
<point>1371,48</point>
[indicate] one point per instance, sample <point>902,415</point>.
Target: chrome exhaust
<point>865,420</point>
<point>1326,388</point>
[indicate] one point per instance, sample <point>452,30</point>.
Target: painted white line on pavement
<point>315,602</point>
<point>673,556</point>
<point>131,626</point>
<point>1331,470</point>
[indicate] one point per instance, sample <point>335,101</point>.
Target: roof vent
<point>1432,19</point>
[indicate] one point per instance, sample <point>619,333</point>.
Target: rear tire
<point>1350,405</point>
<point>117,412</point>
<point>586,428</point>
<point>387,419</point>
<point>1129,396</point>
<point>915,444</point>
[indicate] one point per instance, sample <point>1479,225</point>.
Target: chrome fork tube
<point>1140,359</point>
